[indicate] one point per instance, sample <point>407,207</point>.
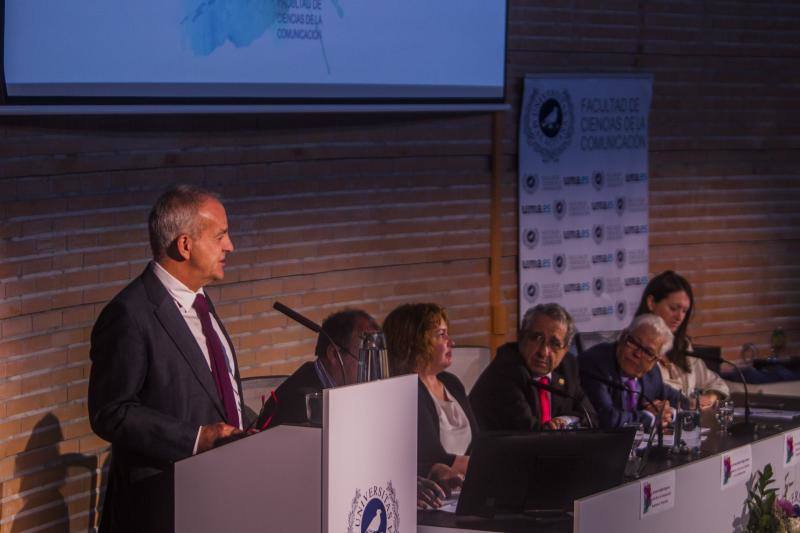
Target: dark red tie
<point>544,401</point>
<point>219,367</point>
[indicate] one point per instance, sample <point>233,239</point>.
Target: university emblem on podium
<point>374,511</point>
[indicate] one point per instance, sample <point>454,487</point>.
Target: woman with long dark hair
<point>670,296</point>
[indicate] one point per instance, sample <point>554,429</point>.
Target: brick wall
<point>372,211</point>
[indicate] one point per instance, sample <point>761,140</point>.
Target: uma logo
<point>375,511</point>
<point>531,238</point>
<point>548,122</point>
<point>531,292</point>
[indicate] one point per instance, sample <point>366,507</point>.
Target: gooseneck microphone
<point>564,394</point>
<point>656,427</point>
<point>739,428</point>
<point>313,326</point>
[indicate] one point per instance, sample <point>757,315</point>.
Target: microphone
<point>313,326</point>
<point>739,428</point>
<point>656,428</point>
<point>563,393</point>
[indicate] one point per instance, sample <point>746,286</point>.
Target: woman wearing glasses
<point>669,296</point>
<point>621,380</point>
<point>418,342</point>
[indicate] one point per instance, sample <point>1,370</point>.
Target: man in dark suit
<point>336,365</point>
<point>630,362</point>
<point>505,398</point>
<point>164,382</point>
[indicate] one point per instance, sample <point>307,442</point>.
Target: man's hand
<point>445,477</point>
<point>429,494</point>
<point>209,435</point>
<point>556,423</point>
<point>666,411</point>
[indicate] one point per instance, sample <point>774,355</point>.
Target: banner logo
<point>597,286</point>
<point>559,263</point>
<point>531,238</point>
<point>531,183</point>
<point>375,511</point>
<point>597,233</point>
<point>549,123</point>
<point>619,257</point>
<point>559,209</point>
<point>620,308</point>
<point>531,292</point>
<point>597,180</point>
<point>620,205</point>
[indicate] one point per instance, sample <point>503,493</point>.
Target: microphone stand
<point>564,394</point>
<point>316,328</point>
<point>739,428</point>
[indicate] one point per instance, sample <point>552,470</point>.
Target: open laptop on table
<point>541,472</point>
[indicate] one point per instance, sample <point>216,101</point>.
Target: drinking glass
<point>724,414</point>
<point>314,408</point>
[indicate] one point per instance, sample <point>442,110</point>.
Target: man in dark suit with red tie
<point>164,382</point>
<point>505,397</point>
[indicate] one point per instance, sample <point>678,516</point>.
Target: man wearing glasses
<point>619,377</point>
<point>506,397</point>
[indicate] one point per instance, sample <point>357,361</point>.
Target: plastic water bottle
<point>690,425</point>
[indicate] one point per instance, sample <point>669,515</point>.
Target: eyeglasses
<point>639,349</point>
<point>537,339</point>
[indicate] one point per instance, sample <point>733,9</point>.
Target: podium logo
<point>531,183</point>
<point>531,238</point>
<point>548,122</point>
<point>374,511</point>
<point>531,292</point>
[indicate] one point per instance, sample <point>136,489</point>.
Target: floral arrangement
<point>767,512</point>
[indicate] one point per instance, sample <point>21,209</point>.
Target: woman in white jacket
<point>669,296</point>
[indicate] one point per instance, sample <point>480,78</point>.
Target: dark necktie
<point>219,367</point>
<point>633,385</point>
<point>544,401</point>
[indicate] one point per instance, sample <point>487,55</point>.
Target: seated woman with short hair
<point>418,342</point>
<point>669,296</point>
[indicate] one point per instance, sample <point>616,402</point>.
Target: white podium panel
<point>266,482</point>
<point>370,456</point>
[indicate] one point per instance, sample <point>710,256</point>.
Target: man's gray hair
<point>175,213</point>
<point>550,310</point>
<point>656,324</point>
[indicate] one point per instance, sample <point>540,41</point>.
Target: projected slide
<point>281,49</point>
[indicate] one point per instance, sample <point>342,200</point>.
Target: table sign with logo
<point>791,448</point>
<point>657,494</point>
<point>735,467</point>
<point>583,186</point>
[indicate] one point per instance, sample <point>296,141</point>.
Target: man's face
<point>350,360</point>
<point>543,346</point>
<point>638,350</point>
<point>211,244</point>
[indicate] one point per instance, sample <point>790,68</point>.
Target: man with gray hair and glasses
<point>621,377</point>
<point>164,383</point>
<point>507,396</point>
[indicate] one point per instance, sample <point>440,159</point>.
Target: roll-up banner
<point>583,195</point>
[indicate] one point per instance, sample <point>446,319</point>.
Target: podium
<point>358,468</point>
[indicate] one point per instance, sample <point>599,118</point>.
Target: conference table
<point>705,492</point>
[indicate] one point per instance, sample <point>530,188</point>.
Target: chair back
<point>469,362</point>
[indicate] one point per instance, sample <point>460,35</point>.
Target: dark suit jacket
<point>601,360</point>
<point>504,400</point>
<point>291,405</point>
<point>429,444</point>
<point>150,390</point>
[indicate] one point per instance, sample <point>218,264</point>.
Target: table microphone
<point>313,326</point>
<point>564,394</point>
<point>739,428</point>
<point>656,428</point>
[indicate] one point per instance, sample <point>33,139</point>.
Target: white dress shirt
<point>184,301</point>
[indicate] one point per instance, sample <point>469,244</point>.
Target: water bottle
<point>373,361</point>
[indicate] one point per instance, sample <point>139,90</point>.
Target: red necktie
<point>544,401</point>
<point>219,367</point>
